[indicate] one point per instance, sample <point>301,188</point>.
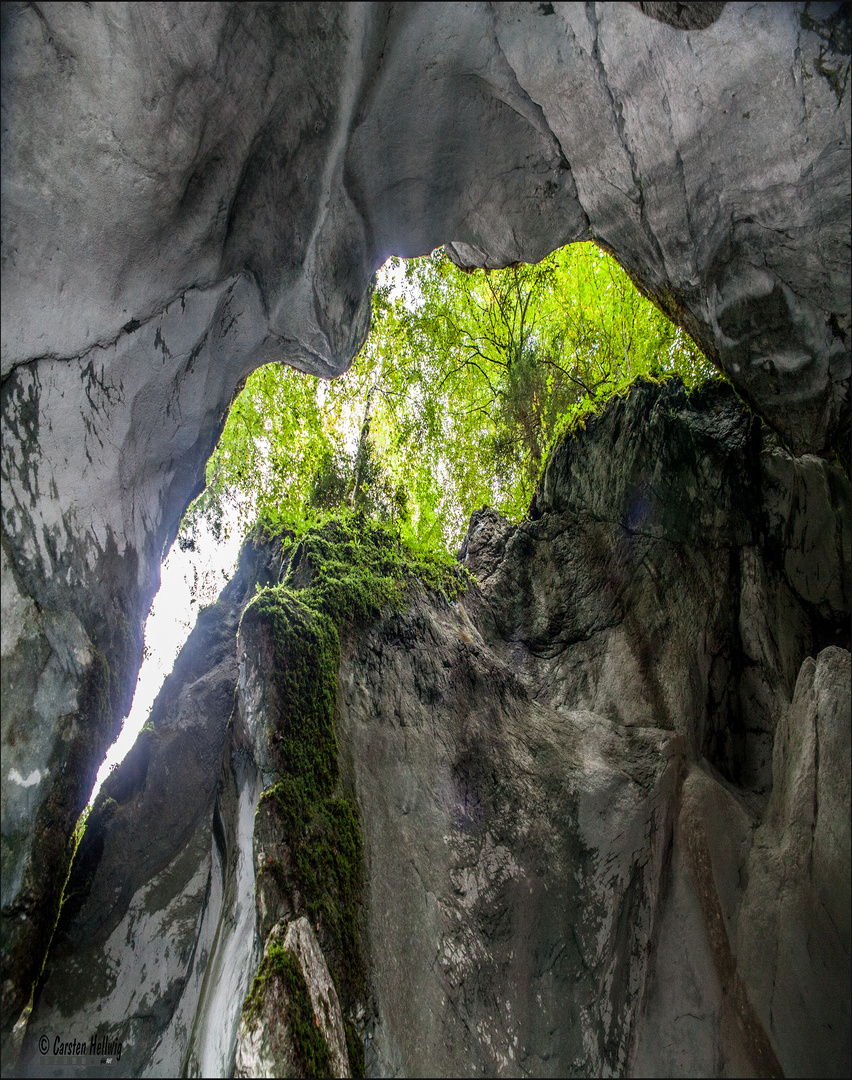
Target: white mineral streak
<point>33,778</point>
<point>234,953</point>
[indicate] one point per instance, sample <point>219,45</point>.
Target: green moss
<point>307,650</point>
<point>355,1049</point>
<point>344,572</point>
<point>326,861</point>
<point>313,1057</point>
<point>80,827</point>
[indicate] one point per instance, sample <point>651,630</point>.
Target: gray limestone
<point>793,933</point>
<point>169,842</point>
<point>192,191</point>
<point>265,1043</point>
<point>515,855</point>
<point>604,796</point>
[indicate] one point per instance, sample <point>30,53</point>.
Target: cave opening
<point>464,384</point>
<point>193,194</point>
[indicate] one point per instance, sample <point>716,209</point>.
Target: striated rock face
<point>270,1042</point>
<point>603,797</point>
<point>798,946</point>
<point>632,598</point>
<point>515,855</point>
<point>190,192</point>
<point>772,979</point>
<point>156,154</point>
<point>169,843</point>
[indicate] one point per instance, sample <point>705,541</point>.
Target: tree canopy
<point>464,383</point>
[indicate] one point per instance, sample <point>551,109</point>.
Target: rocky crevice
<point>555,875</point>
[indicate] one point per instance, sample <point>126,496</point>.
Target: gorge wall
<point>603,794</point>
<point>190,192</point>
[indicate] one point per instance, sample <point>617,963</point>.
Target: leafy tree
<point>454,401</point>
<point>503,360</point>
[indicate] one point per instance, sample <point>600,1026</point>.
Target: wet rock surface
<point>192,192</point>
<point>603,796</point>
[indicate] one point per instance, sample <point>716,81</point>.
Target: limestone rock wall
<point>604,796</point>
<point>169,844</point>
<point>190,192</point>
<point>602,690</point>
<point>266,1045</point>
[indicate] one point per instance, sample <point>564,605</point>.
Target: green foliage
<point>484,368</point>
<point>311,1051</point>
<point>330,482</point>
<point>80,828</point>
<point>277,437</point>
<point>463,385</point>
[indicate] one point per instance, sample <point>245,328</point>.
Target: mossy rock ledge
<point>291,1023</point>
<point>308,847</point>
